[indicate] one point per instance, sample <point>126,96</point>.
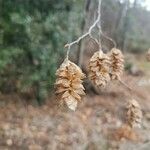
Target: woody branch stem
<point>89,33</point>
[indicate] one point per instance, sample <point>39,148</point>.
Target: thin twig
<point>89,33</point>
<point>125,85</point>
<point>132,92</point>
<point>110,39</point>
<point>100,28</point>
<point>78,40</point>
<point>99,24</point>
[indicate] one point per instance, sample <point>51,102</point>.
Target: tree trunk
<point>90,7</point>
<point>123,24</point>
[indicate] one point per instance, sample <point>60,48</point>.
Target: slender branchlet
<point>89,33</point>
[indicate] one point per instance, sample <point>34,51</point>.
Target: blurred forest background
<point>33,33</point>
<point>32,38</point>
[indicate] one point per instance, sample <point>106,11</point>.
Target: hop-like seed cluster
<point>117,64</point>
<point>99,69</point>
<point>148,55</point>
<point>68,84</point>
<point>134,113</point>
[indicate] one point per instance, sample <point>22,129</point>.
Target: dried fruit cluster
<point>99,69</point>
<point>117,64</point>
<point>134,113</point>
<point>103,67</point>
<point>69,86</point>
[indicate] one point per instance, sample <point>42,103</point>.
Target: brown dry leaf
<point>117,64</point>
<point>9,142</point>
<point>125,132</point>
<point>99,69</point>
<point>35,147</point>
<point>69,84</point>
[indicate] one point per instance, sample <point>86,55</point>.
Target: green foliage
<point>33,35</point>
<point>137,33</point>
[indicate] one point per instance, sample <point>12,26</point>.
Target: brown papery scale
<point>68,84</point>
<point>99,69</point>
<point>117,64</point>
